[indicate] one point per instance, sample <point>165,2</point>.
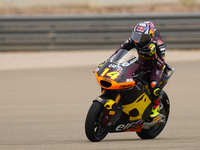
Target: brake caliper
<point>109,111</point>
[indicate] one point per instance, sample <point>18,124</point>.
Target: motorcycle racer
<point>151,56</point>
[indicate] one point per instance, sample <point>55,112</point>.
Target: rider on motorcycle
<point>151,50</point>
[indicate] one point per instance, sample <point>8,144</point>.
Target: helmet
<point>143,34</point>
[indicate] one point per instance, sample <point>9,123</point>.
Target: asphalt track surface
<point>45,109</point>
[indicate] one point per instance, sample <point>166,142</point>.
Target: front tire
<point>94,130</point>
<point>155,130</point>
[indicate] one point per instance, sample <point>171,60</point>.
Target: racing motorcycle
<point>125,102</point>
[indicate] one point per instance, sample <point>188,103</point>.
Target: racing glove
<point>159,64</point>
<point>152,52</point>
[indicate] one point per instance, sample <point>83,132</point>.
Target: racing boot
<point>155,91</point>
<point>155,108</point>
<point>109,112</point>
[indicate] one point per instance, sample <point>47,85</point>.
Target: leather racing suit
<point>156,66</point>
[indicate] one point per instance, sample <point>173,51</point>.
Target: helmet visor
<point>140,38</point>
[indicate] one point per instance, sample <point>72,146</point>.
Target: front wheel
<point>94,130</point>
<point>155,130</point>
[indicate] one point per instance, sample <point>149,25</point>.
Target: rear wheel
<point>155,130</point>
<point>94,130</point>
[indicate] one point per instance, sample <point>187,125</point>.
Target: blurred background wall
<point>93,3</point>
<point>103,3</point>
<point>94,24</point>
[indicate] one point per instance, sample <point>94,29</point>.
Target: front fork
<point>110,108</point>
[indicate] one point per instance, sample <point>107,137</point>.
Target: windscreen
<point>122,56</point>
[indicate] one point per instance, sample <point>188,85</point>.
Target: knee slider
<point>156,92</point>
<point>155,88</point>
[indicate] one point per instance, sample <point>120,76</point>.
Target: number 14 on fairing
<point>113,74</point>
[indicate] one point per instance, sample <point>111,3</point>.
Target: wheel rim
<point>99,130</point>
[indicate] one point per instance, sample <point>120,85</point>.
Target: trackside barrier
<point>86,32</point>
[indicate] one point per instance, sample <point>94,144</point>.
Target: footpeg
<point>158,119</point>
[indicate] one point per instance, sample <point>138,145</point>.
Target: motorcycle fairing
<point>132,115</point>
<point>127,126</point>
<point>108,83</point>
<point>137,108</point>
<point>131,112</point>
<point>116,73</point>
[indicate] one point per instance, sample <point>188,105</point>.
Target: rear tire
<point>94,130</point>
<point>155,130</point>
